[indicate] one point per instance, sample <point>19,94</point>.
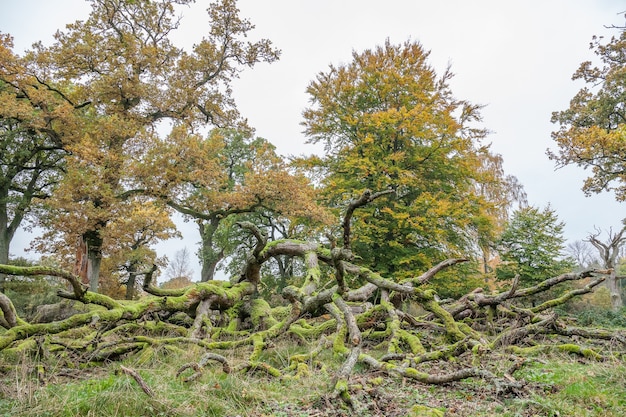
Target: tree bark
<point>210,257</point>
<point>93,267</point>
<point>7,231</point>
<point>4,255</point>
<point>130,285</point>
<point>94,257</point>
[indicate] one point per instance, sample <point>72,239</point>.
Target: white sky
<point>516,57</point>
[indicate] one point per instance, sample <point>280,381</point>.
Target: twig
<point>145,388</point>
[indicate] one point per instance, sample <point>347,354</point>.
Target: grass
<point>558,385</point>
<point>567,388</point>
<point>107,391</point>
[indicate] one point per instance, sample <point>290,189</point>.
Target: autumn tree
<point>122,76</point>
<point>31,158</point>
<point>532,246</point>
<point>592,130</point>
<point>131,255</point>
<point>504,193</point>
<point>389,122</point>
<point>212,180</point>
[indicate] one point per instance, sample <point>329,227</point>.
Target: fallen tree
<point>353,311</point>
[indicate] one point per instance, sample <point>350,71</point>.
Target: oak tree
<point>216,179</point>
<point>609,254</point>
<point>31,158</point>
<point>122,76</point>
<point>592,131</point>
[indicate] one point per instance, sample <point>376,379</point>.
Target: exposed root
<point>199,366</point>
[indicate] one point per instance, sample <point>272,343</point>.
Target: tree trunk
<point>4,256</point>
<point>210,257</point>
<point>614,290</point>
<point>285,270</point>
<point>94,258</point>
<point>94,270</point>
<point>609,253</point>
<point>6,235</point>
<point>130,285</point>
<point>209,265</point>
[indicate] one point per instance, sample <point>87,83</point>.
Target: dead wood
<point>135,375</point>
<point>338,305</point>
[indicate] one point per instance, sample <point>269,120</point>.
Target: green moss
<point>339,345</point>
<point>342,391</point>
<point>313,331</point>
<point>415,374</point>
<point>377,381</point>
<point>271,245</point>
<point>413,341</point>
<point>18,351</point>
<point>572,348</point>
<point>259,344</point>
<point>261,313</point>
<point>567,347</point>
<point>302,370</point>
<point>419,410</point>
<point>268,369</point>
<point>452,327</point>
<point>101,300</point>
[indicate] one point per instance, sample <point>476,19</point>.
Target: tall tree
<point>387,121</point>
<point>593,130</point>
<point>609,252</point>
<point>124,76</point>
<point>31,159</point>
<point>532,246</point>
<point>504,193</point>
<point>30,165</point>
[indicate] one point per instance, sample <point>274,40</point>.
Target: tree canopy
<point>114,79</point>
<point>592,131</point>
<point>388,122</point>
<point>227,174</point>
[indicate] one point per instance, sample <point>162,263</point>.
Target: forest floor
<point>554,385</point>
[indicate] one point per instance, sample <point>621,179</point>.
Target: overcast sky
<point>516,57</point>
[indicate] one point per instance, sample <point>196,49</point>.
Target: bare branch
<point>366,198</point>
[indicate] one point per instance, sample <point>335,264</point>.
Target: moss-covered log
<point>337,306</point>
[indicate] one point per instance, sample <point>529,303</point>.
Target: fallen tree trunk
<point>362,321</point>
<point>352,311</point>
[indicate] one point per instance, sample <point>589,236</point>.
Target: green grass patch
<point>562,387</point>
<point>557,385</point>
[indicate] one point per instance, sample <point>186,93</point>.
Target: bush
<point>602,317</point>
